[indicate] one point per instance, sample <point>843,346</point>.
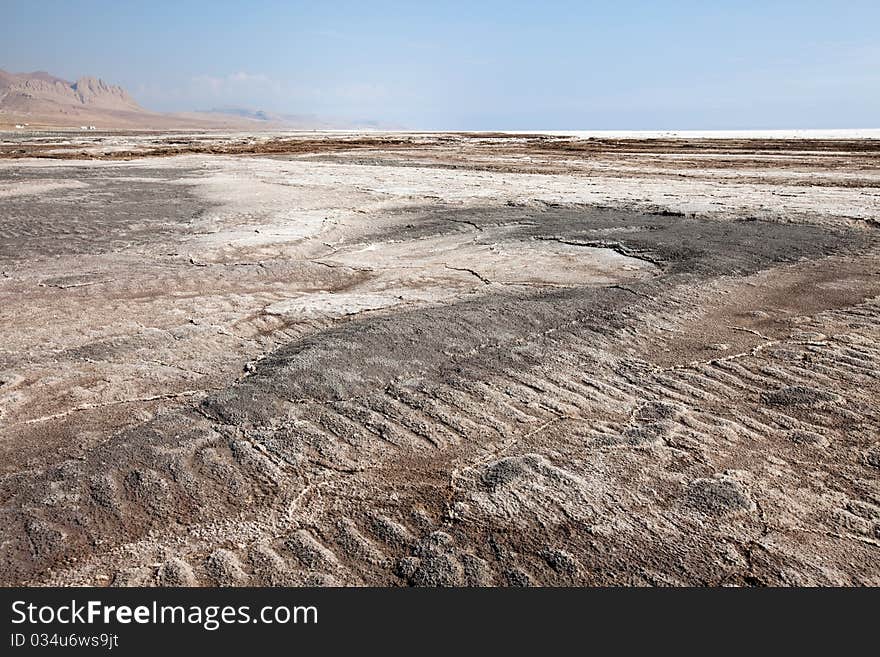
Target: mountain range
<point>40,99</point>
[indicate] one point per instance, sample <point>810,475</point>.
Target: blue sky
<point>475,65</point>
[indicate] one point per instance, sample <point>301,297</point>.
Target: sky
<point>624,65</point>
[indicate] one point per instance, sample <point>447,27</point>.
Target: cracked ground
<point>439,360</point>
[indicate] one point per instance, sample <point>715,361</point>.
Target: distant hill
<point>242,112</point>
<point>41,99</point>
<point>293,121</point>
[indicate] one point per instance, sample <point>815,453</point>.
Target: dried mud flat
<point>438,360</point>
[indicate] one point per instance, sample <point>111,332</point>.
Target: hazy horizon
<point>504,66</point>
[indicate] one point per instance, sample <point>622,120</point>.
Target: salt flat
<point>435,358</point>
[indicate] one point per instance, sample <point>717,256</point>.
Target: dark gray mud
<point>116,209</point>
<point>329,366</point>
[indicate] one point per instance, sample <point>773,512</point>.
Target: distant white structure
<point>19,126</point>
<point>87,127</point>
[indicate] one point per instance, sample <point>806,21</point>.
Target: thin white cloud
<point>242,76</point>
<point>236,83</point>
